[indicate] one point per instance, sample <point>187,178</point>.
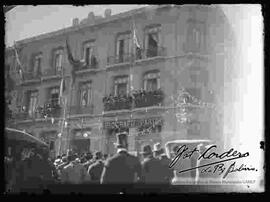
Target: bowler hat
<point>146,150</point>
<point>121,139</point>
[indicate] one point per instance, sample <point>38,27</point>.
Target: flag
<point>19,64</point>
<point>74,63</point>
<point>135,38</point>
<point>62,90</point>
<point>136,44</point>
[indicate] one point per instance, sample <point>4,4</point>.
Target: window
<point>121,85</point>
<point>89,55</point>
<point>151,81</point>
<point>152,41</point>
<point>123,47</point>
<point>54,96</point>
<point>37,64</point>
<point>33,98</point>
<point>195,36</point>
<point>85,94</point>
<point>58,57</point>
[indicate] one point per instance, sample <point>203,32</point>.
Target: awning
<point>18,135</point>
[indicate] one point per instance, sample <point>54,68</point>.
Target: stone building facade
<point>187,46</point>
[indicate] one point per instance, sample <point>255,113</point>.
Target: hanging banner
<point>133,123</point>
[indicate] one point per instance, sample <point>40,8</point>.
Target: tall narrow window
<point>195,36</point>
<point>33,98</point>
<point>121,85</point>
<point>37,65</point>
<point>123,47</point>
<point>152,81</point>
<point>152,41</point>
<point>85,94</point>
<point>58,57</point>
<point>89,54</point>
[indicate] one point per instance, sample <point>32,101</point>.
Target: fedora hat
<point>121,139</point>
<point>146,150</point>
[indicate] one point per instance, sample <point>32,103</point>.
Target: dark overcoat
<point>122,168</point>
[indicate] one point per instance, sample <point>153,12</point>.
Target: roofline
<point>70,29</point>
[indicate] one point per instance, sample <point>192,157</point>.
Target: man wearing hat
<point>95,170</point>
<point>165,162</point>
<point>152,170</point>
<point>74,172</point>
<point>121,168</point>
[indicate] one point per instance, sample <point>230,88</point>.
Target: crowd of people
<point>142,98</point>
<point>33,169</point>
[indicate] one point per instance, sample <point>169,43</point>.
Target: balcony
<point>137,99</point>
<point>119,102</point>
<point>92,66</point>
<point>52,72</point>
<point>22,116</point>
<point>148,98</point>
<point>118,59</point>
<point>31,76</point>
<point>153,52</point>
<point>51,108</point>
<point>140,55</point>
<point>76,110</point>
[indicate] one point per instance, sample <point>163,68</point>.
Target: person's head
<point>122,141</point>
<point>98,155</point>
<point>88,156</point>
<point>147,151</point>
<point>158,150</point>
<point>65,159</point>
<point>105,156</point>
<point>71,158</point>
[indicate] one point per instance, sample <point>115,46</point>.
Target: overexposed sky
<point>27,21</point>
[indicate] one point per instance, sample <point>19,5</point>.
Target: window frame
<point>152,29</point>
<point>32,102</point>
<point>37,66</point>
<point>91,45</point>
<point>155,75</point>
<point>86,86</point>
<point>117,81</point>
<point>127,38</point>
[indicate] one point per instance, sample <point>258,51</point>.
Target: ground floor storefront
<point>90,134</point>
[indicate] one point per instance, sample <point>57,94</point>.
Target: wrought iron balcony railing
<point>148,98</point>
<point>52,72</point>
<point>153,52</point>
<point>117,102</point>
<point>51,108</point>
<point>140,54</point>
<point>126,57</point>
<point>136,99</point>
<point>31,75</point>
<point>76,110</point>
<point>92,65</point>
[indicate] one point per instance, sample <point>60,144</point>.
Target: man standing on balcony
<point>122,168</point>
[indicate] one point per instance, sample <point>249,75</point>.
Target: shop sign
<point>133,123</point>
